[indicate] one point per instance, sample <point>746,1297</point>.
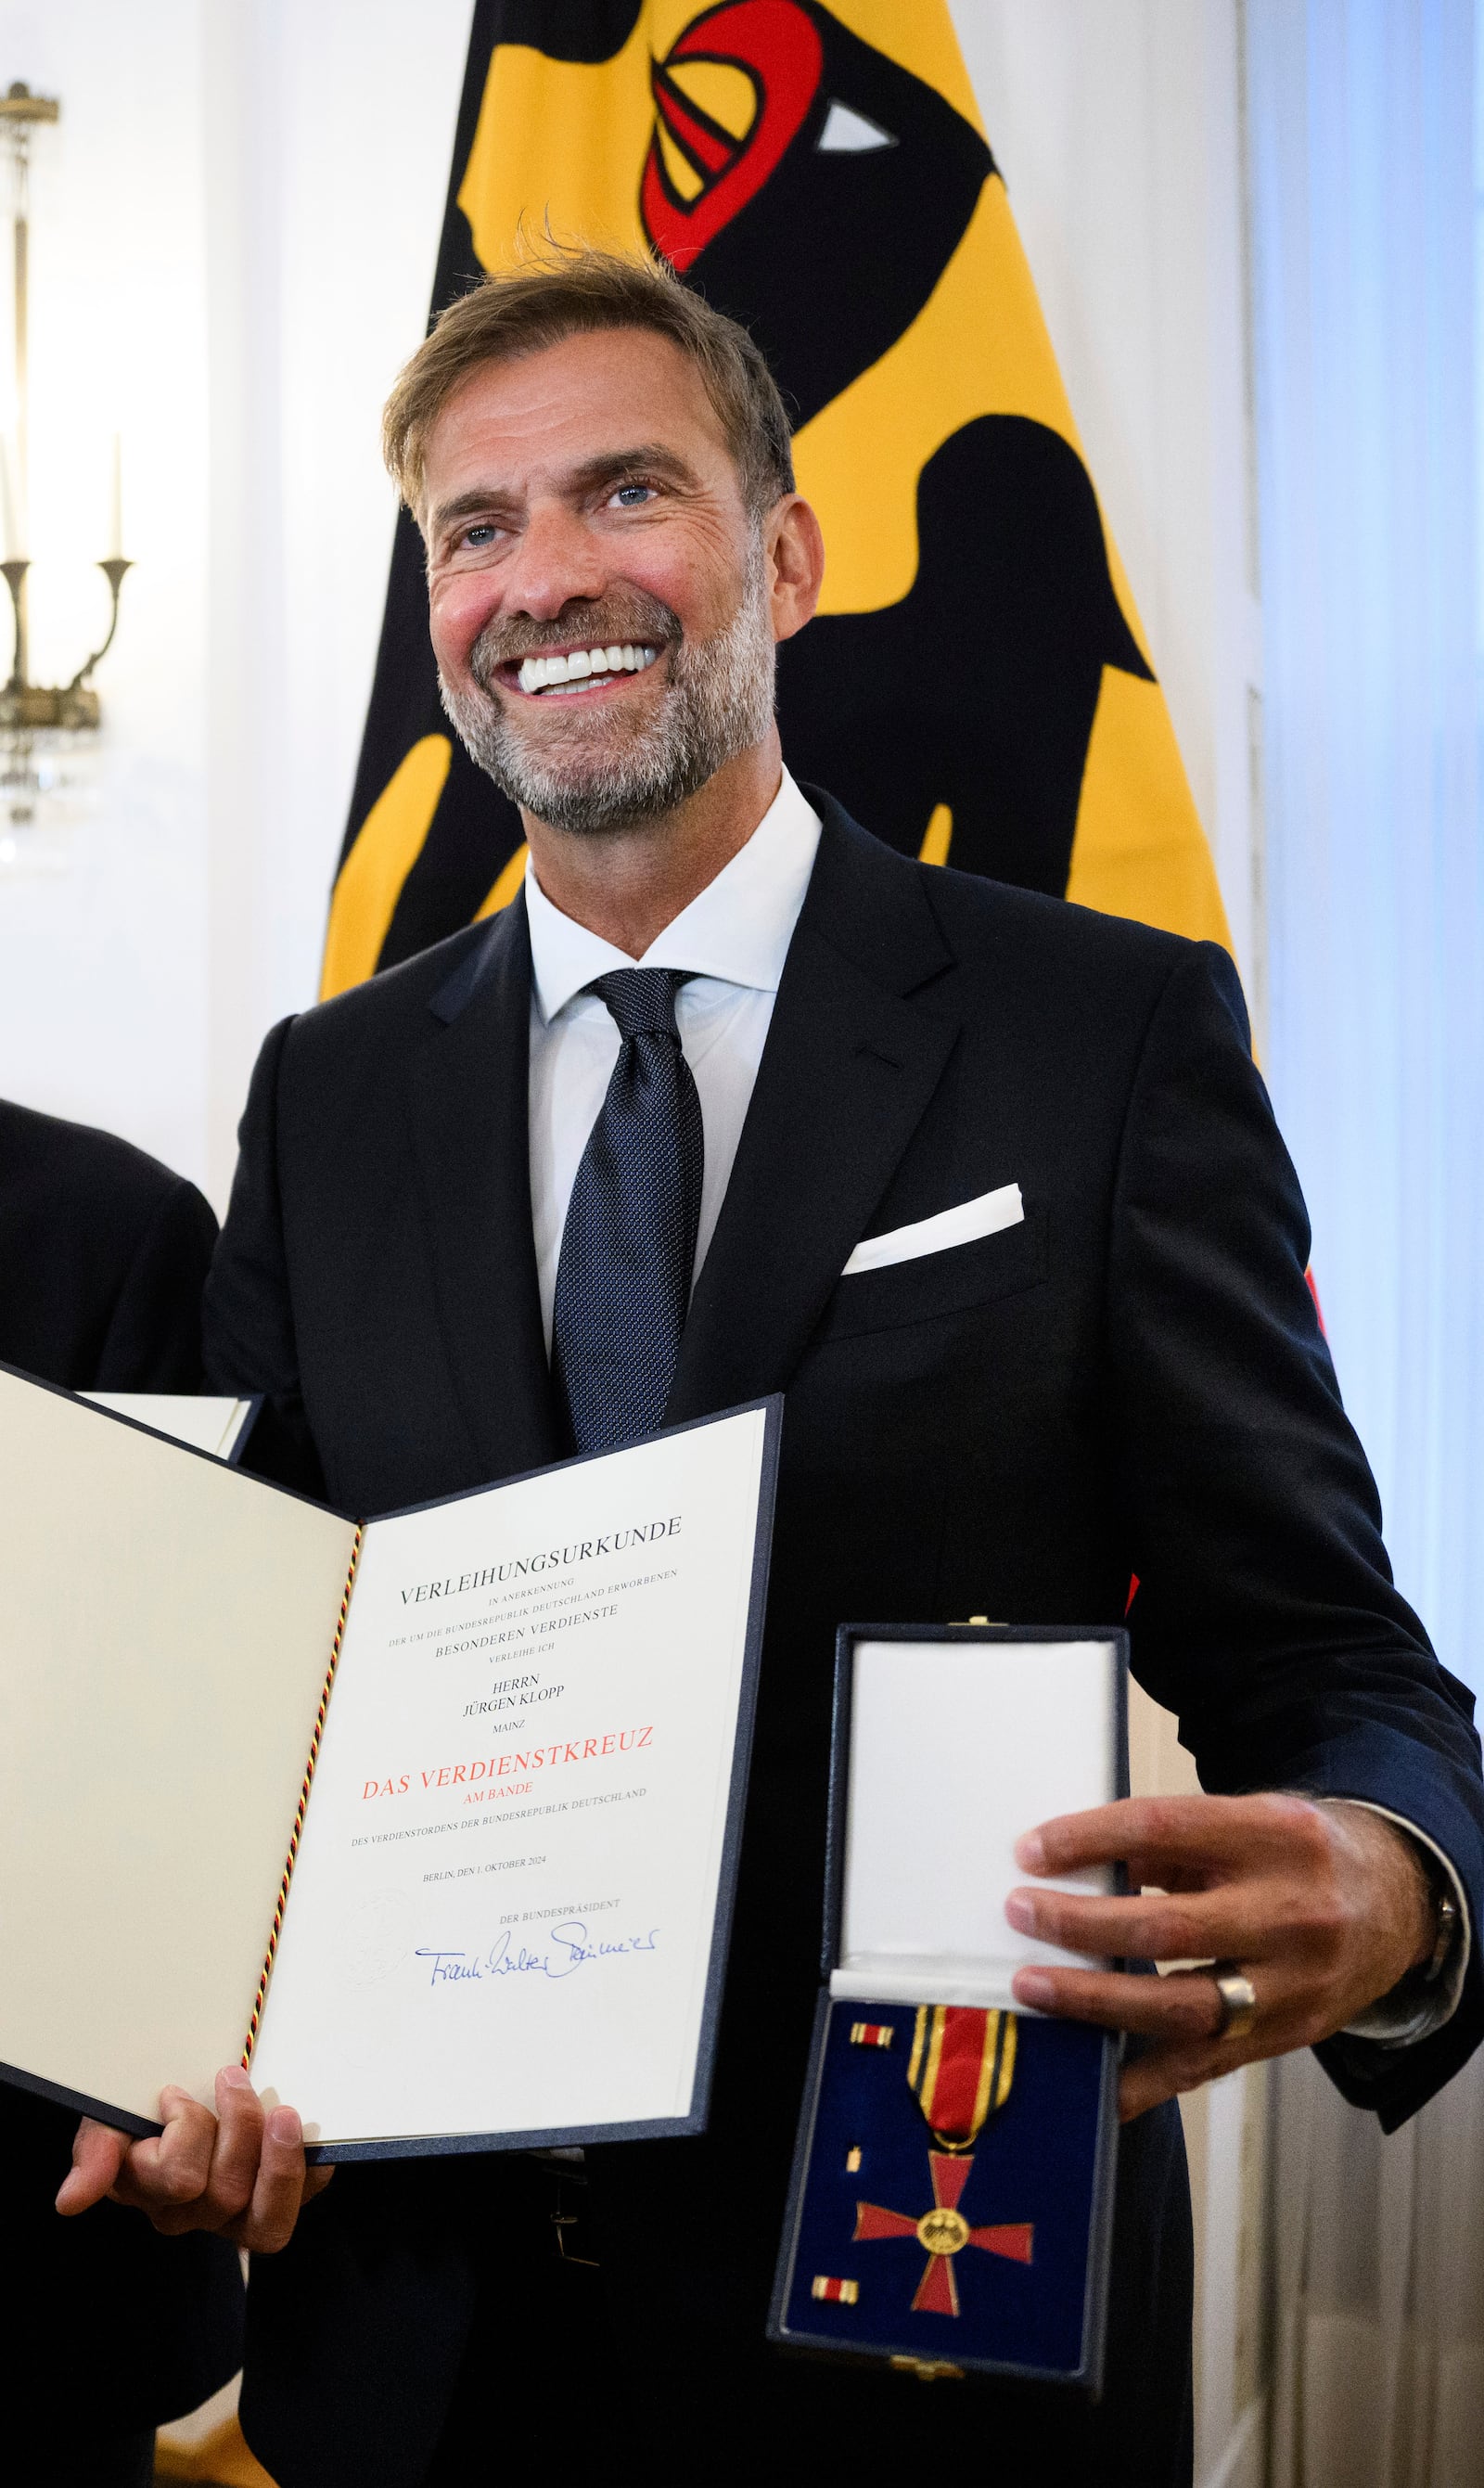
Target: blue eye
<point>632,495</point>
<point>482,534</point>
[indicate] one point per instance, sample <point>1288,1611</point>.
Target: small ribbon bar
<point>843,2293</point>
<point>872,2034</point>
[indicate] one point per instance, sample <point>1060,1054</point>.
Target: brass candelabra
<point>29,708</point>
<point>68,708</point>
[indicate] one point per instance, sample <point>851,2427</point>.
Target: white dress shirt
<point>733,939</point>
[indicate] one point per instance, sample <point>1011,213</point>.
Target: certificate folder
<point>951,2203</point>
<point>219,1425</point>
<point>431,1821</point>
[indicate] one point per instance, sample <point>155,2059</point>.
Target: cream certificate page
<point>502,1922</point>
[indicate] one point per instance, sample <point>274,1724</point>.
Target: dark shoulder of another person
<point>103,1252</point>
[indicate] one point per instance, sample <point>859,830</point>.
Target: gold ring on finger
<point>1238,2001</point>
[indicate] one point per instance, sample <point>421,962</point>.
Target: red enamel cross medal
<point>961,2069</point>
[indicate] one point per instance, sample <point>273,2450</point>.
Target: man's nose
<point>558,561</point>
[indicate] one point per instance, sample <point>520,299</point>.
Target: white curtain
<point>1366,331</point>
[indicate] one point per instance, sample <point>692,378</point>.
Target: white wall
<point>102,969</point>
<point>235,227</point>
<point>324,219</point>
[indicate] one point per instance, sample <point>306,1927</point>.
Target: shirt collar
<point>738,928</point>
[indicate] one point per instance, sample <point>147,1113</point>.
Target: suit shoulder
<point>1019,938</point>
<point>974,910</point>
<point>104,1252</point>
<point>377,1010</point>
<point>1029,944</point>
<point>84,1171</point>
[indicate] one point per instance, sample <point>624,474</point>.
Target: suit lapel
<point>849,1065</point>
<point>468,1103</point>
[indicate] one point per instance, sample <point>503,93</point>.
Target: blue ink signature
<point>450,1969</point>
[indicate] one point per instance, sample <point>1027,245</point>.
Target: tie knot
<point>642,1000</point>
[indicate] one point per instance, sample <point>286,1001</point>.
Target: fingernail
<point>284,2125</point>
<point>1030,1852</point>
<point>1033,1987</point>
<point>235,2076</point>
<point>1021,1911</point>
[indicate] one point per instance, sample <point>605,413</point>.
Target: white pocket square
<point>964,1225</point>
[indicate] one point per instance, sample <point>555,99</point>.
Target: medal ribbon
<point>961,2069</point>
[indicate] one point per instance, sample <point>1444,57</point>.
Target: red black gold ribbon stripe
<point>961,2069</point>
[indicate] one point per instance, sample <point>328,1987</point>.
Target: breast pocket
<point>957,1281</point>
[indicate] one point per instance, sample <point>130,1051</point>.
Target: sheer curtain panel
<point>1365,291</point>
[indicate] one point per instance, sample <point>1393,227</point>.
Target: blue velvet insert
<point>1036,2160</point>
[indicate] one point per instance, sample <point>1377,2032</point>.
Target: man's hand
<point>239,2173</point>
<point>1323,1908</point>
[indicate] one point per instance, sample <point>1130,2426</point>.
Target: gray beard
<point>718,701</point>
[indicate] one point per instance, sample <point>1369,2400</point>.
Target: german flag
<point>976,686</point>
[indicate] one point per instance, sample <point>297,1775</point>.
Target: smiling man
<point>604,1164</point>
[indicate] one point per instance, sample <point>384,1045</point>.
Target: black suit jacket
<point>102,1254</point>
<point>1131,1382</point>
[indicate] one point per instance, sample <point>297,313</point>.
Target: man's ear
<point>796,562</point>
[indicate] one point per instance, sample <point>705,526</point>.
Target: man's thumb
<point>99,2153</point>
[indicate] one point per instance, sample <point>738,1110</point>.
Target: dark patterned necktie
<point>622,1276</point>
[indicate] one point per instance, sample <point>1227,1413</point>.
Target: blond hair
<point>559,293</point>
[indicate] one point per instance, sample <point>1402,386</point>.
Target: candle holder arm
<point>113,569</point>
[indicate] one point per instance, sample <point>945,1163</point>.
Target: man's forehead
<point>567,404</point>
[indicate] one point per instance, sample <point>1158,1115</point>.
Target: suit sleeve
<point>152,1342</point>
<point>248,1313</point>
<point>1267,1617</point>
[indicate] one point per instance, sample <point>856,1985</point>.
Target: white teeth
<point>550,673</point>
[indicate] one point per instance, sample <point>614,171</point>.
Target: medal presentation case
<point>950,2210</point>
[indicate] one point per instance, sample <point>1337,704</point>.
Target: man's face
<point>599,593</point>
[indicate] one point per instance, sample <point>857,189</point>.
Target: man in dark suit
<point>112,2328</point>
<point>472,1199</point>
